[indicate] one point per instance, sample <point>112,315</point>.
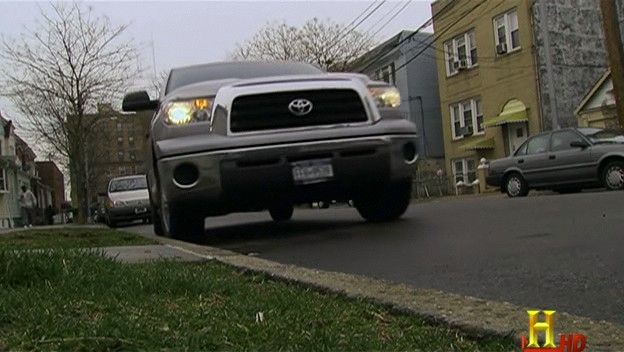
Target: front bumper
<point>494,180</point>
<point>246,178</point>
<point>129,213</point>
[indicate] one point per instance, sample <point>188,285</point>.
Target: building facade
<point>511,68</point>
<point>118,148</point>
<point>415,79</point>
<point>17,169</point>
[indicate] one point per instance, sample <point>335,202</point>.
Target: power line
<point>393,17</point>
<point>356,25</point>
<point>426,24</point>
<point>439,35</point>
<point>398,4</point>
<point>353,21</point>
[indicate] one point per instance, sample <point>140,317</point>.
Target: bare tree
<point>57,73</point>
<point>324,43</point>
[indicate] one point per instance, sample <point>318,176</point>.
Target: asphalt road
<point>561,252</point>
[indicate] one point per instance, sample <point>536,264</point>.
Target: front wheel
<point>613,176</point>
<point>280,213</point>
<point>157,223</point>
<point>386,204</point>
<point>516,186</point>
<point>185,223</point>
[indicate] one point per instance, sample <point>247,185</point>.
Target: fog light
<point>185,175</point>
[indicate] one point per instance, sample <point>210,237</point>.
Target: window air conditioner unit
<point>465,131</point>
<point>501,48</point>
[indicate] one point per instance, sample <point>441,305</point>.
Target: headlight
<point>386,97</point>
<point>116,203</point>
<point>183,112</point>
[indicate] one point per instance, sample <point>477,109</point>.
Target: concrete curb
<point>473,316</point>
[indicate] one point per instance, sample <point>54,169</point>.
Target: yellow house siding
<point>496,79</point>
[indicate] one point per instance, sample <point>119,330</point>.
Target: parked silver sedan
<point>565,160</point>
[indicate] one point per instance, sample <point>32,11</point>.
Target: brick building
<point>119,146</point>
<point>53,178</point>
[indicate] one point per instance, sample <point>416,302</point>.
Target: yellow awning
<point>479,144</point>
<point>514,111</point>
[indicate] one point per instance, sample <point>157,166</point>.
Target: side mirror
<point>579,144</point>
<point>138,101</point>
<point>102,194</point>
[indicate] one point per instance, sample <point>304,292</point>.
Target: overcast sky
<point>197,32</point>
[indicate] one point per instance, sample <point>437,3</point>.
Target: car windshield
<point>597,135</point>
<point>194,74</point>
<point>128,184</point>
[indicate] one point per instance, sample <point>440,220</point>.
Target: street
<point>561,252</point>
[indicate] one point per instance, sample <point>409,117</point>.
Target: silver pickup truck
<point>250,136</point>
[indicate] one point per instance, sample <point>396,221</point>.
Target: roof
<point>382,50</point>
<point>605,76</point>
<point>21,144</point>
<point>379,50</point>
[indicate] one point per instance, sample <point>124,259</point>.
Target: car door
<point>535,162</point>
<point>567,164</point>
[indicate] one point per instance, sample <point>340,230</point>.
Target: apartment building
<point>118,148</point>
<point>511,68</point>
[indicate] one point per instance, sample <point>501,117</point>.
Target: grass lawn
<point>68,238</point>
<point>68,300</point>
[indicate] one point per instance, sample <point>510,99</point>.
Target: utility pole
<point>613,43</point>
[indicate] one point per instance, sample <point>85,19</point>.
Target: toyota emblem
<point>300,107</point>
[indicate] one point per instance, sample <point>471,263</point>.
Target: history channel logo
<point>567,342</point>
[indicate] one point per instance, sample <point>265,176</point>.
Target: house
<point>415,79</point>
<point>119,146</point>
<point>17,169</point>
<point>597,108</point>
<point>511,68</point>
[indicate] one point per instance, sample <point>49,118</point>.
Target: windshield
<point>597,135</point>
<point>194,74</point>
<point>128,184</point>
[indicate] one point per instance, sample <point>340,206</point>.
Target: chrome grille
<point>270,111</point>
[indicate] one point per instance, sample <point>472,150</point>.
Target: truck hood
<point>210,88</point>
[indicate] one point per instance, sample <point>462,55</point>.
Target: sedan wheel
<point>516,186</point>
<point>613,176</point>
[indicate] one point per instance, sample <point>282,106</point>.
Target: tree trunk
<point>76,174</point>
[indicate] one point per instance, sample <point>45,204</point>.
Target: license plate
<point>140,210</point>
<point>312,171</point>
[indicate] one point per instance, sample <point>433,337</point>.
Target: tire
<point>157,223</point>
<point>613,176</point>
<point>185,224</point>
<point>112,224</point>
<point>281,213</point>
<point>386,204</point>
<point>516,186</point>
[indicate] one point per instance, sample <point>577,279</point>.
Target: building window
<point>506,33</point>
<point>387,74</point>
<point>4,186</point>
<point>132,155</point>
<point>460,53</point>
<point>464,170</point>
<point>131,141</point>
<point>119,126</point>
<point>119,141</point>
<point>120,156</point>
<point>465,116</point>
